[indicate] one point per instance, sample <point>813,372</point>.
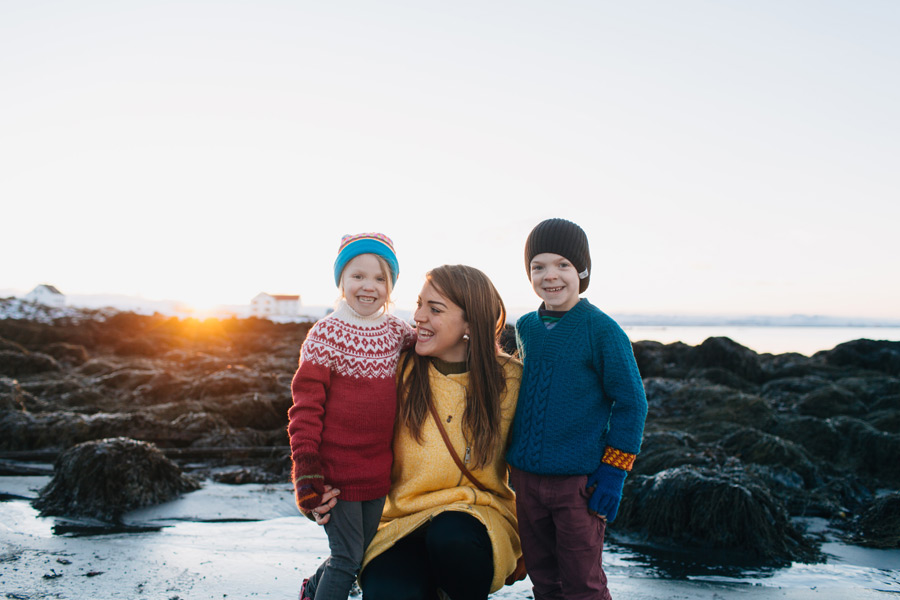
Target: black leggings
<point>453,552</point>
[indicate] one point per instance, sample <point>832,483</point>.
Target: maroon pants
<point>562,542</point>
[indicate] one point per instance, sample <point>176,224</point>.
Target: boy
<point>579,420</point>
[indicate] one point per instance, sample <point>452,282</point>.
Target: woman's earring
<point>466,337</point>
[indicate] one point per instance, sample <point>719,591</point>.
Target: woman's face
<point>440,326</point>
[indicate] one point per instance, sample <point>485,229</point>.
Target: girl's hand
<point>329,499</point>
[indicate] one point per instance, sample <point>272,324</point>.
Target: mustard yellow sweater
<point>425,481</point>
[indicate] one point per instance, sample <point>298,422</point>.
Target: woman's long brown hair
<point>483,310</point>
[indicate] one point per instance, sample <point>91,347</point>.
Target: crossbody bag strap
<point>453,455</point>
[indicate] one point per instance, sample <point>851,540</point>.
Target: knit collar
<point>345,313</point>
<point>569,321</point>
<point>449,368</point>
<point>579,307</point>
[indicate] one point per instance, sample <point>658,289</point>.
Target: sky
<point>723,157</point>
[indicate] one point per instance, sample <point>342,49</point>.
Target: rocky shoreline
<point>738,445</point>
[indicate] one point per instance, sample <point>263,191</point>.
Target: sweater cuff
<point>619,459</point>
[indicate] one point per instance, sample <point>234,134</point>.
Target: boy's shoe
<point>303,594</point>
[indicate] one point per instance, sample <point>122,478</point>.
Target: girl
<point>342,420</point>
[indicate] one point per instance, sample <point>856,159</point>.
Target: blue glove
<point>605,487</point>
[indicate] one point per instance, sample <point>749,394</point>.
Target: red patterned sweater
<point>345,399</point>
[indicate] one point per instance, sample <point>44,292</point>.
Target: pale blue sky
<point>723,157</point>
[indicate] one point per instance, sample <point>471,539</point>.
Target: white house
<point>47,295</point>
<point>267,305</point>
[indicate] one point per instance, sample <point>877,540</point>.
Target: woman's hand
<point>329,499</point>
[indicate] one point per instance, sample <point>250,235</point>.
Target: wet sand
<point>249,542</point>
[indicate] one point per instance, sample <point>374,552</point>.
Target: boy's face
<point>555,280</point>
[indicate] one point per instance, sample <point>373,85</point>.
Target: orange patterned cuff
<point>618,459</point>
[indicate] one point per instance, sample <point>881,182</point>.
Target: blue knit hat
<point>366,243</point>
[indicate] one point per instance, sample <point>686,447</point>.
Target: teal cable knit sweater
<point>581,391</point>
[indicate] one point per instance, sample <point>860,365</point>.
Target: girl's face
<point>440,326</point>
<point>364,285</point>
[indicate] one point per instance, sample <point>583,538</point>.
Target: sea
<point>804,340</point>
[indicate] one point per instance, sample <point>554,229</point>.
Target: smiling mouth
<point>554,289</point>
<point>423,334</point>
<point>366,299</point>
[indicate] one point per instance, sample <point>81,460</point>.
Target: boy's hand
<point>605,487</point>
<point>309,483</point>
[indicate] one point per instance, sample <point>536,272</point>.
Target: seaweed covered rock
<point>879,525</point>
<point>663,450</point>
<point>829,401</point>
<point>106,478</point>
<point>724,353</point>
<point>18,364</point>
<point>14,399</point>
<point>753,446</point>
<point>662,360</point>
<point>881,356</point>
<point>713,509</point>
<point>21,430</point>
<point>70,354</point>
<point>682,404</point>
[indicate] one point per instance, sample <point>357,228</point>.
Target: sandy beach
<point>248,541</point>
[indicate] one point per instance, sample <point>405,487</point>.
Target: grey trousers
<point>350,529</point>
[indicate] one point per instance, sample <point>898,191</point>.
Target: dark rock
<point>670,449</point>
<point>256,411</point>
<point>163,386</point>
<point>234,438</point>
<point>879,525</point>
<point>200,423</point>
<point>64,393</point>
<point>785,390</point>
<point>125,379</point>
<point>70,354</point>
<point>241,475</point>
<point>884,414</point>
<point>881,356</point>
<point>818,436</point>
<point>12,346</point>
<point>106,478</point>
<point>97,367</point>
<point>232,380</point>
<point>683,404</point>
<point>871,389</point>
<point>846,444</point>
<point>18,364</point>
<point>662,360</point>
<point>790,364</point>
<point>720,376</point>
<point>14,398</point>
<point>508,340</point>
<point>21,430</point>
<point>868,451</point>
<point>713,509</point>
<point>830,401</point>
<point>727,354</point>
<point>753,446</point>
<point>788,486</point>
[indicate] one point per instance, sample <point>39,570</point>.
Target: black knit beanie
<point>562,237</point>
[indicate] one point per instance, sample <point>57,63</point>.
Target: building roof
<point>49,288</point>
<point>283,297</point>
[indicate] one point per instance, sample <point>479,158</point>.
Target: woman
<point>440,529</point>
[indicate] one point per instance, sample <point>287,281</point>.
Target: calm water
<point>775,340</point>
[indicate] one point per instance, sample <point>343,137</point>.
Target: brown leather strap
<point>458,462</point>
